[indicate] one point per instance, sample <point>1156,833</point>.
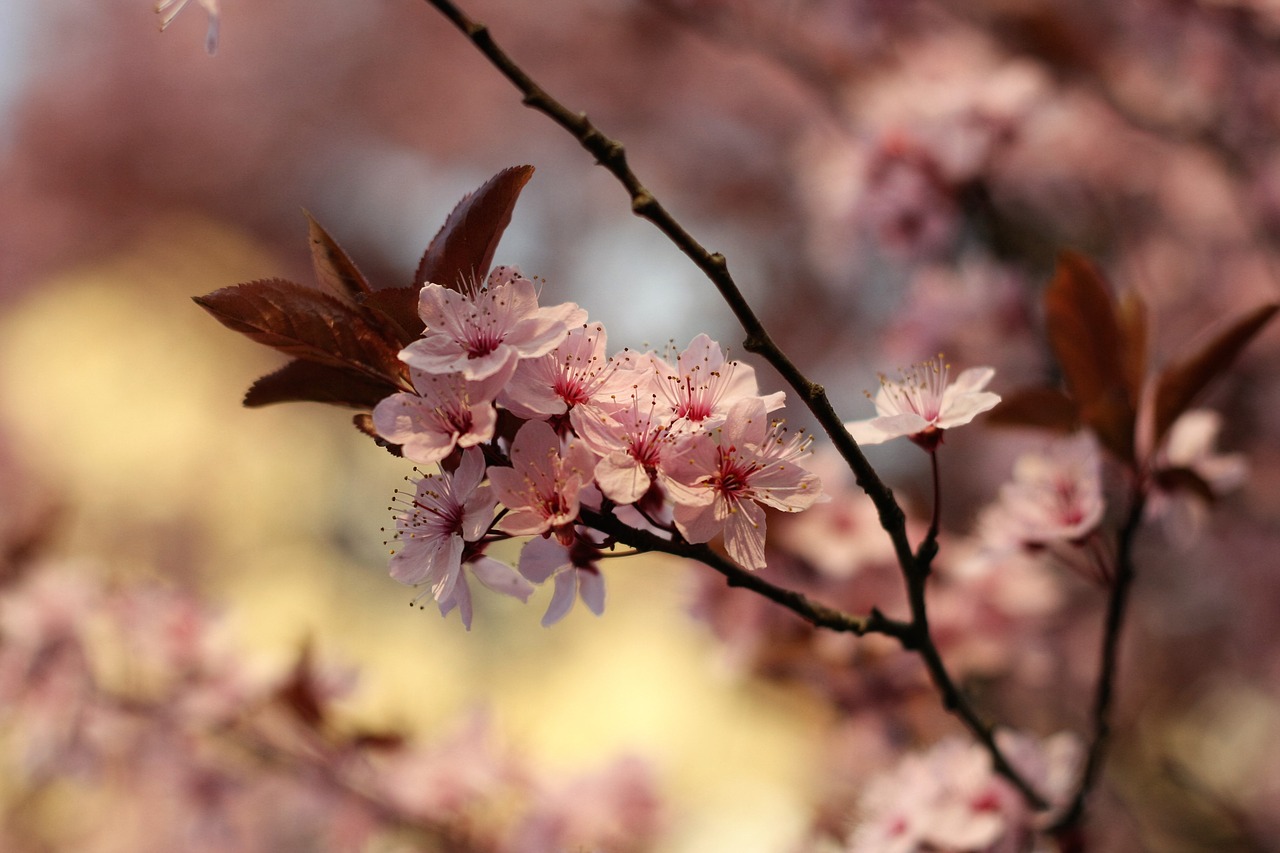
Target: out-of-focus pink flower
<point>616,808</point>
<point>576,375</point>
<point>948,799</point>
<point>719,479</point>
<point>702,386</point>
<point>1190,446</point>
<point>574,569</point>
<point>1055,496</point>
<point>445,512</point>
<point>481,330</point>
<point>169,9</point>
<point>1053,505</point>
<point>922,404</point>
<point>542,487</point>
<point>448,411</point>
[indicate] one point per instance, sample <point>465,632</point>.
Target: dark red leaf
<point>463,249</point>
<point>1044,408</point>
<point>364,423</point>
<point>334,269</point>
<point>1085,334</point>
<point>307,324</point>
<point>1131,316</point>
<point>307,381</point>
<point>399,307</point>
<point>1182,382</point>
<point>301,692</point>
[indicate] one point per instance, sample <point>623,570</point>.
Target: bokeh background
<point>887,179</point>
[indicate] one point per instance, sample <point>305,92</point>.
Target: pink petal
<point>591,589</point>
<point>566,590</point>
<point>541,558</point>
<point>501,578</point>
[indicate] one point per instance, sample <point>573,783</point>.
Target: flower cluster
<point>529,420</point>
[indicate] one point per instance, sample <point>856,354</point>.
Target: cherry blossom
<point>702,385</point>
<point>574,569</point>
<point>719,479</point>
<point>1055,495</point>
<point>1189,448</point>
<point>923,403</point>
<point>448,411</point>
<point>948,799</point>
<point>444,514</point>
<point>481,330</point>
<point>633,441</point>
<point>542,487</point>
<point>494,574</point>
<point>575,375</point>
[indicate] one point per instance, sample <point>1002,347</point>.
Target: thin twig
<point>816,614</point>
<point>611,155</point>
<point>1110,657</point>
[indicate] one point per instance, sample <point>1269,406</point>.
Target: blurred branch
<point>1104,693</point>
<point>611,155</point>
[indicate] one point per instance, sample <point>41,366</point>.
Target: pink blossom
<point>949,800</point>
<point>719,479</point>
<point>481,330</point>
<point>922,403</point>
<point>633,441</point>
<point>542,487</point>
<point>495,575</point>
<point>448,411</point>
<point>445,511</point>
<point>702,385</point>
<point>574,569</point>
<point>575,375</point>
<point>1053,496</point>
<point>1190,446</point>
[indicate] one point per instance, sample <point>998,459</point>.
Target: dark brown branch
<point>818,615</point>
<point>611,155</point>
<point>1104,694</point>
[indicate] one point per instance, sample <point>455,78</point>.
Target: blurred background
<point>887,179</point>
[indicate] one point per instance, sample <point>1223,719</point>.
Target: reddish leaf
<point>307,324</point>
<point>301,694</point>
<point>463,249</point>
<point>307,381</point>
<point>1132,319</point>
<point>399,307</point>
<point>364,423</point>
<point>334,269</point>
<point>1180,383</point>
<point>1045,408</point>
<point>1085,334</point>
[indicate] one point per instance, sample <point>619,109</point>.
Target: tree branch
<point>611,155</point>
<point>818,615</point>
<point>1104,694</point>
